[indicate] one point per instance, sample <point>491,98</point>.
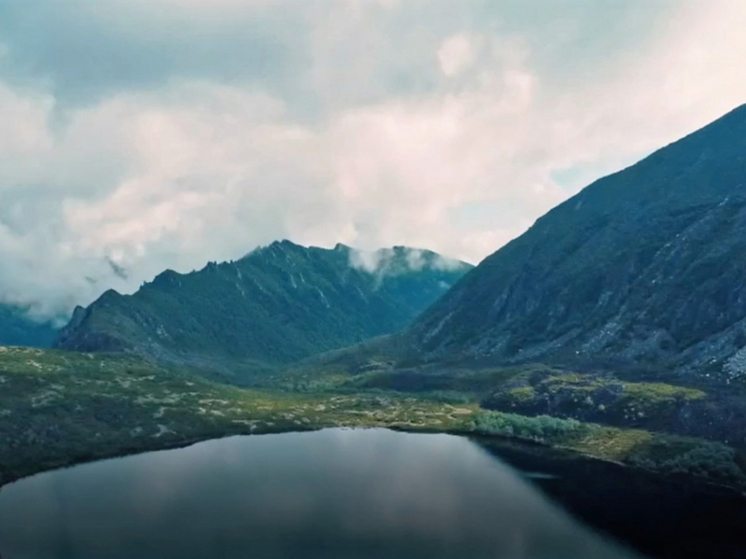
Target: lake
<point>332,493</point>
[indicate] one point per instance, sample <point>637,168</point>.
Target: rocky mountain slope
<point>278,304</point>
<point>17,329</point>
<point>643,269</point>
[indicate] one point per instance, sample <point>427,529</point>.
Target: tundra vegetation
<point>59,408</point>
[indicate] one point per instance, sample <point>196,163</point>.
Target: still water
<point>332,493</point>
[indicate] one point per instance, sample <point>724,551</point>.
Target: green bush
<point>540,428</point>
<point>711,460</point>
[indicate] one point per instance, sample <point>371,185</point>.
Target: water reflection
<point>335,493</point>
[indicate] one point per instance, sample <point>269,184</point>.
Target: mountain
<point>643,269</point>
<point>278,304</point>
<point>17,329</point>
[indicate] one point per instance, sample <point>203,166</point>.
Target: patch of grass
<point>522,394</point>
<point>610,443</point>
<point>646,394</point>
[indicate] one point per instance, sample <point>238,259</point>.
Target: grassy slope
<point>59,408</point>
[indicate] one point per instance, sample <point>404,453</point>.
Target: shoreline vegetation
<point>60,409</point>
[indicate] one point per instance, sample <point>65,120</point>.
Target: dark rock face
<point>642,269</point>
<point>17,329</point>
<point>278,304</point>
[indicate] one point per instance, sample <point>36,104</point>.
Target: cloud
<point>456,54</point>
<point>86,50</point>
<point>367,260</point>
<point>399,260</point>
<point>141,136</point>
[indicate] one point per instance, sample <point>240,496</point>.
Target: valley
<point>610,335</point>
<point>364,280</point>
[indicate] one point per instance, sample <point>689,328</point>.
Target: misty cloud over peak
<point>401,260</point>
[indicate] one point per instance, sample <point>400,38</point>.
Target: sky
<point>140,135</point>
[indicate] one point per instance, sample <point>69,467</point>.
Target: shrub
<point>712,460</point>
<point>538,428</point>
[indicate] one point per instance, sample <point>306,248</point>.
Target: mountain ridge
<point>277,304</point>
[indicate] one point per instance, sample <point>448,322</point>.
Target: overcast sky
<point>159,134</point>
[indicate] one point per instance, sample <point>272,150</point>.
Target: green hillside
<point>279,304</point>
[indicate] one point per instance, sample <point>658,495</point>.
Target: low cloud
<point>446,264</point>
<point>368,261</point>
<point>395,261</point>
<point>387,262</point>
